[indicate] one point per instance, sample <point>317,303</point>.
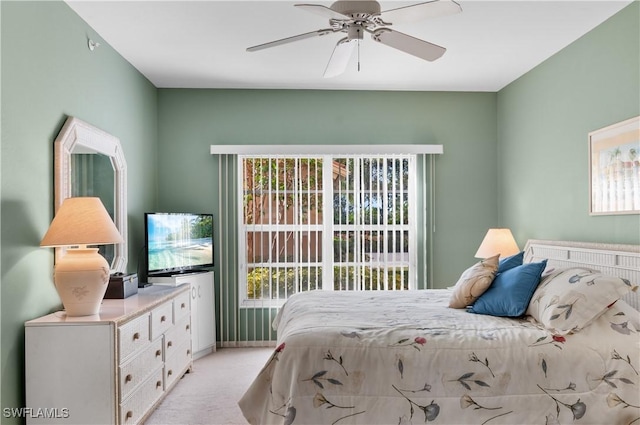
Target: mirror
<point>90,162</point>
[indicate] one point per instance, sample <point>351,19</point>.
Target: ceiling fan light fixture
<point>355,32</point>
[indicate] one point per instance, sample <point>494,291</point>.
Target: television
<point>177,242</point>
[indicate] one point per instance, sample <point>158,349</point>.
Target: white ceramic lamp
<point>82,274</point>
<point>497,241</point>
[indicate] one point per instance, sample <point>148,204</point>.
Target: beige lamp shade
<point>81,276</point>
<point>81,221</point>
<point>497,241</point>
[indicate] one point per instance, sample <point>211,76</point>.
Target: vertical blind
<point>295,223</point>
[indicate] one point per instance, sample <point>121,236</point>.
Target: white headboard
<point>612,259</point>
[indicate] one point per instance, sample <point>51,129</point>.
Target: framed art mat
<point>614,169</point>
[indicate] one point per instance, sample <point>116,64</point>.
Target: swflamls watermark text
<point>36,412</point>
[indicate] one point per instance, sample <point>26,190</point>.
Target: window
<point>332,222</point>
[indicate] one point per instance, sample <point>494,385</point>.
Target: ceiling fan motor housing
<point>354,8</point>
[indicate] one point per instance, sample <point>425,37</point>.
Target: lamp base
<point>81,277</point>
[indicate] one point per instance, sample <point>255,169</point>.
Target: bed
<point>405,357</point>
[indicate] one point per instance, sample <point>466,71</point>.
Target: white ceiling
<point>202,44</point>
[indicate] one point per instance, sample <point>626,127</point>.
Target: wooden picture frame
<point>614,169</point>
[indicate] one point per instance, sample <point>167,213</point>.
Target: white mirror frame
<point>78,136</point>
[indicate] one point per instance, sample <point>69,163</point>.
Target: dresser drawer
<point>182,306</point>
<point>161,319</point>
<point>176,336</point>
<point>177,363</point>
<point>136,406</point>
<point>133,336</point>
<point>138,368</point>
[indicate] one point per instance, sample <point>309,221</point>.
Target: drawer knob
<point>188,352</point>
<point>163,319</point>
<point>158,353</point>
<point>129,415</point>
<point>183,305</point>
<point>170,372</point>
<point>128,378</point>
<point>169,343</point>
<point>187,327</point>
<point>158,384</point>
<point>136,336</point>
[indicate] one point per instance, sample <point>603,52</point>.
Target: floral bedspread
<point>406,358</point>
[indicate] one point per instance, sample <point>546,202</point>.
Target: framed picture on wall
<point>614,169</point>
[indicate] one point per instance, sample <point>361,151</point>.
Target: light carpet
<point>209,394</point>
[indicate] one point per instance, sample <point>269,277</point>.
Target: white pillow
<point>569,299</point>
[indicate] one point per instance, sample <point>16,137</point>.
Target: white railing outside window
<point>331,222</point>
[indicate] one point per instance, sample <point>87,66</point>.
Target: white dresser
<point>110,368</point>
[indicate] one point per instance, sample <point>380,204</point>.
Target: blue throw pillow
<point>510,262</point>
<point>511,291</point>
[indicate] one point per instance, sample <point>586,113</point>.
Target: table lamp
<point>497,241</point>
<point>81,276</point>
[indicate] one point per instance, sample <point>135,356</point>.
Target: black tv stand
<point>189,271</point>
<point>176,277</point>
<point>178,273</point>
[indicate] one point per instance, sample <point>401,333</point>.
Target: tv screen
<point>178,242</point>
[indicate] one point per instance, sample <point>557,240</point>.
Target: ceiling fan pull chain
<point>358,55</point>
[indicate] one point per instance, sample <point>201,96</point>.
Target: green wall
<point>47,74</point>
<point>465,123</point>
<point>543,121</point>
<point>192,120</point>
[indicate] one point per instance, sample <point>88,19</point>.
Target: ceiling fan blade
<point>317,33</point>
<point>318,9</point>
<point>406,43</point>
<point>340,57</point>
<point>420,11</point>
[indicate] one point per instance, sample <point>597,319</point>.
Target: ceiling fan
<point>355,17</point>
